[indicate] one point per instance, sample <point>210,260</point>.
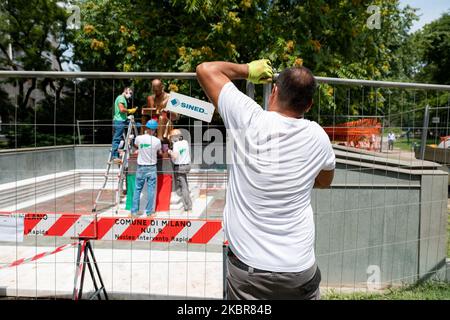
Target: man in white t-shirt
<point>148,148</point>
<point>278,157</point>
<point>181,158</point>
<point>391,140</point>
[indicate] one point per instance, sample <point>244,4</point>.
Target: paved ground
<point>79,202</point>
<point>400,154</point>
<point>131,270</point>
<point>127,273</point>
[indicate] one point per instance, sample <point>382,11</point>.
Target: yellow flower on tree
<point>290,46</point>
<point>131,48</point>
<point>316,45</point>
<point>246,4</point>
<point>330,91</point>
<point>126,67</point>
<point>298,62</point>
<point>97,45</point>
<point>218,27</point>
<point>231,47</point>
<point>182,51</point>
<point>173,87</point>
<point>234,18</point>
<point>88,28</point>
<point>206,51</point>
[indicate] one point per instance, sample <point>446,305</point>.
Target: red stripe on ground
<point>170,231</point>
<point>137,226</point>
<point>59,249</point>
<point>206,232</point>
<point>31,220</point>
<point>16,263</point>
<point>60,227</point>
<point>40,255</point>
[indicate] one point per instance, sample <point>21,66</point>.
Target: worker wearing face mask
<point>181,158</point>
<point>120,121</point>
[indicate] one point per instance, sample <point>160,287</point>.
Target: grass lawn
<point>426,291</point>
<point>402,143</point>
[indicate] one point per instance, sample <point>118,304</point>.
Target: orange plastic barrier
<point>360,133</point>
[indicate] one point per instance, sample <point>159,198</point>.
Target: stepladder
<point>126,148</point>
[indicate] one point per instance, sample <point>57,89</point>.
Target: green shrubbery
<point>427,291</point>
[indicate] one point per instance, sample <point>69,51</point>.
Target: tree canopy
<point>433,43</point>
<point>332,38</point>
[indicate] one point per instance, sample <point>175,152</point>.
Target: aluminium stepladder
<point>128,137</point>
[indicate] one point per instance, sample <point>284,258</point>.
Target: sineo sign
<point>191,107</point>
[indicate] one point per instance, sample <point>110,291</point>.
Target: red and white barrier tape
<point>39,256</point>
<point>123,229</point>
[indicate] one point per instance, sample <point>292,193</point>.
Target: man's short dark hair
<point>296,87</point>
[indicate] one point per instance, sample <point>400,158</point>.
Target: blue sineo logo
<point>175,102</point>
<point>192,107</point>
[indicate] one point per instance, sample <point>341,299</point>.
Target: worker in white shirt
<point>148,148</point>
<point>268,218</point>
<point>391,139</point>
<point>181,158</point>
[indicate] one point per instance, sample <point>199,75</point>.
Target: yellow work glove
<point>260,71</point>
<point>131,111</point>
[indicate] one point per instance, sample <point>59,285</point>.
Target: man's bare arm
<point>166,99</point>
<point>212,76</point>
<point>150,102</point>
<point>324,179</point>
<point>122,108</point>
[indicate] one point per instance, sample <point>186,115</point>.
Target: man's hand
<point>260,71</point>
<point>131,111</point>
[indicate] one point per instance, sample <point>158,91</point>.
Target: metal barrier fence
<point>382,223</point>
